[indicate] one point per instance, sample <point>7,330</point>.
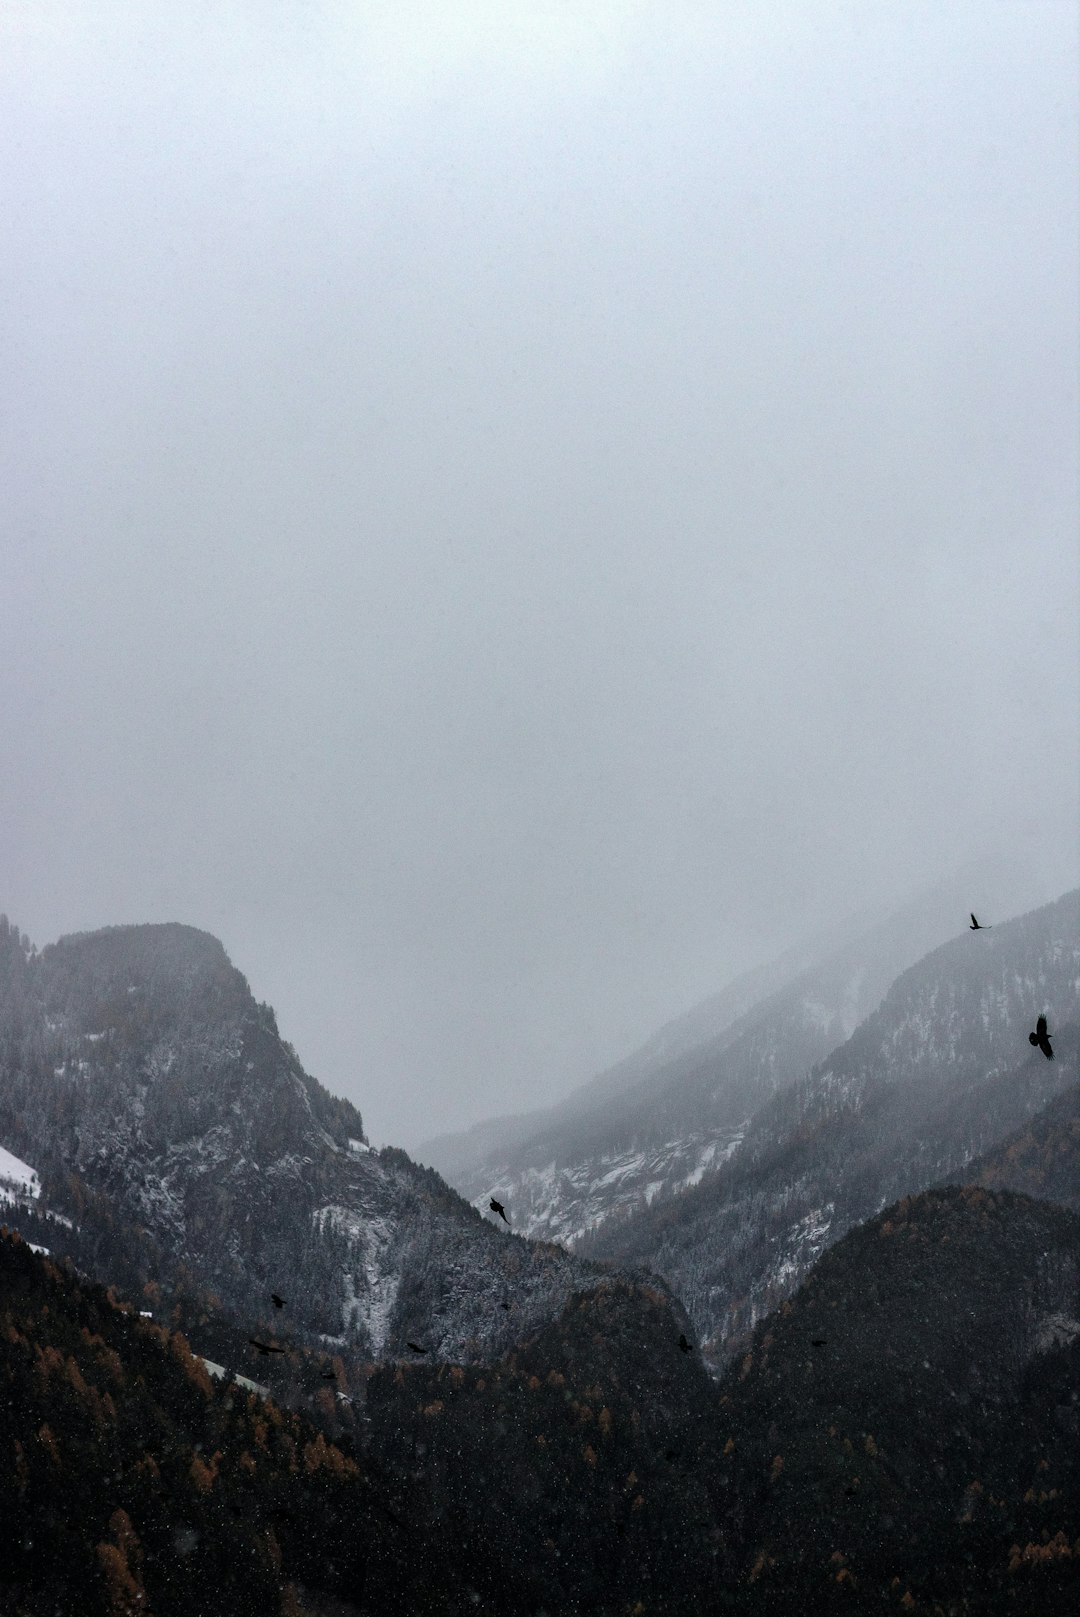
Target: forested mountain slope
<point>936,1076</point>
<point>154,1096</point>
<point>1042,1158</point>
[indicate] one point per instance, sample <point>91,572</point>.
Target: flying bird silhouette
<point>1041,1039</point>
<point>684,1344</point>
<point>278,1302</point>
<point>497,1207</point>
<point>414,1348</point>
<point>264,1348</point>
<point>977,926</point>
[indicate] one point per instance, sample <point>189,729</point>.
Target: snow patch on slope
<point>563,1203</point>
<point>369,1285</point>
<point>17,1178</point>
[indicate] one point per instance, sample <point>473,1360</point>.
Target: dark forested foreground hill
<point>939,1074</point>
<point>903,1435</point>
<point>572,1472</point>
<point>907,1428</point>
<point>130,1483</point>
<point>171,1124</point>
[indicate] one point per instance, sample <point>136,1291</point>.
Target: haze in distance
<point>512,519</point>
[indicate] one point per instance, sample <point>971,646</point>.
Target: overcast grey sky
<point>514,513</point>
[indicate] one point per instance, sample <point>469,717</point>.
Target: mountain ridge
<point>664,1124</point>
<point>935,1076</point>
<point>135,1066</point>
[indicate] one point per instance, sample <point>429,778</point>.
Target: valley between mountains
<point>847,1183</point>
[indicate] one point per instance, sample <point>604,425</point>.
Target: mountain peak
<point>141,1077</point>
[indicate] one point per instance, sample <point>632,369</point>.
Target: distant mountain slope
<point>139,1077</point>
<point>1042,1158</point>
<point>902,1435</point>
<point>465,1152</point>
<point>674,1112</point>
<point>933,1078</point>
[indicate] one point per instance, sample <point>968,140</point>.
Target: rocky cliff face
<point>137,1069</point>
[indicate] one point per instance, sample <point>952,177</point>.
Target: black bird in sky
<point>278,1302</point>
<point>497,1207</point>
<point>1041,1039</point>
<point>264,1348</point>
<point>414,1348</point>
<point>684,1344</point>
<point>977,926</point>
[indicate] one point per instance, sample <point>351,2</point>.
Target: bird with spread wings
<point>1041,1039</point>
